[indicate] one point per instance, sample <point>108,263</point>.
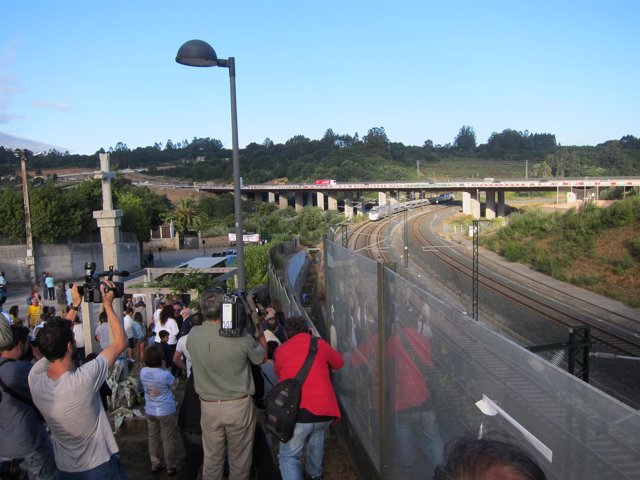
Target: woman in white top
<point>166,322</point>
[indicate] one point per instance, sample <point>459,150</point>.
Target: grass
<point>594,248</point>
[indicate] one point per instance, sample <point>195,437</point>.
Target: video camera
<point>90,290</point>
<point>236,311</point>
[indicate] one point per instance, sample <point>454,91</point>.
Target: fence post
<point>384,431</point>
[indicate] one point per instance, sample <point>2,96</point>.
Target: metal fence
<point>419,373</point>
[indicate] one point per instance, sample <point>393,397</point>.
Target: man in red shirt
<point>318,406</point>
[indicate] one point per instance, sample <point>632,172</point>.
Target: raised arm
<point>76,300</point>
<point>120,341</point>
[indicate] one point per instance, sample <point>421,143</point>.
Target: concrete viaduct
<point>351,194</point>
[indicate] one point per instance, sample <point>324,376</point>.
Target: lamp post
<point>30,258</point>
<point>197,53</point>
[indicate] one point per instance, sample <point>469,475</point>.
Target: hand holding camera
<point>93,287</point>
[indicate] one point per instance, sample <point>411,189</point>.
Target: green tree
<point>465,141</point>
<point>186,216</point>
<point>53,217</point>
<point>615,159</point>
<point>376,141</point>
<point>12,213</point>
<point>541,170</point>
<point>256,265</point>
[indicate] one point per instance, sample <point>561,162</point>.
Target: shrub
<point>634,249</point>
<point>515,251</point>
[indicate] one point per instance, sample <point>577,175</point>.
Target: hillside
<point>374,157</point>
<point>597,248</point>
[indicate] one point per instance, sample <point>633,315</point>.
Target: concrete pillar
<point>283,201</point>
<point>348,209</point>
<point>320,200</point>
<point>475,205</point>
<point>309,199</point>
<point>244,197</point>
<point>299,202</point>
<point>332,201</point>
<point>466,203</point>
<point>501,203</point>
<point>108,221</point>
<point>271,197</point>
<point>382,198</point>
<point>490,209</point>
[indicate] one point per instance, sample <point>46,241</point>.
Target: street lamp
<point>30,258</point>
<point>196,53</point>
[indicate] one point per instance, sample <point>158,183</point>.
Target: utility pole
<point>30,259</point>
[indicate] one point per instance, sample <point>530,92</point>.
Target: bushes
<point>552,243</point>
<point>515,251</point>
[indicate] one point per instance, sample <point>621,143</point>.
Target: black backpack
<point>283,400</point>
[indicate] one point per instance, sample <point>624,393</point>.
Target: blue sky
<point>84,75</point>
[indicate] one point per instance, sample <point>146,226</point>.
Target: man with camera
<point>224,383</point>
<point>68,398</point>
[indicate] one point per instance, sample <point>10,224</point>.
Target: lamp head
<point>197,53</point>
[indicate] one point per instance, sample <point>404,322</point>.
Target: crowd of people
<point>54,424</point>
<point>226,377</point>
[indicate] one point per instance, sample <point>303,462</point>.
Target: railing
<point>419,373</point>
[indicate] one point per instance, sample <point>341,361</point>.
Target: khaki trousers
<point>234,421</point>
<point>162,430</point>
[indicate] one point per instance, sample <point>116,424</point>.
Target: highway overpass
<point>470,191</point>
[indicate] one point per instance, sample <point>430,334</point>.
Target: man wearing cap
<point>22,433</point>
<point>69,398</point>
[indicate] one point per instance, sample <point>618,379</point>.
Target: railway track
<point>583,445</point>
<point>612,335</point>
<point>549,311</point>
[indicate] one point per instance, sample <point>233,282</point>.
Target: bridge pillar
<point>299,202</point>
<point>393,199</point>
<point>355,201</point>
<point>271,197</point>
<point>348,209</point>
<point>490,210</point>
<point>466,203</point>
<point>501,203</point>
<point>475,205</point>
<point>320,200</point>
<point>471,204</point>
<point>382,198</point>
<point>283,201</point>
<point>332,201</point>
<point>244,197</point>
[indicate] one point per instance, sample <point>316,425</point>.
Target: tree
<point>615,158</point>
<point>12,214</point>
<point>376,141</point>
<point>256,264</point>
<point>465,141</point>
<point>186,216</point>
<point>53,217</point>
<point>541,170</point>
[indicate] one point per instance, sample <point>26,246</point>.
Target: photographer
<point>224,383</point>
<point>82,438</point>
